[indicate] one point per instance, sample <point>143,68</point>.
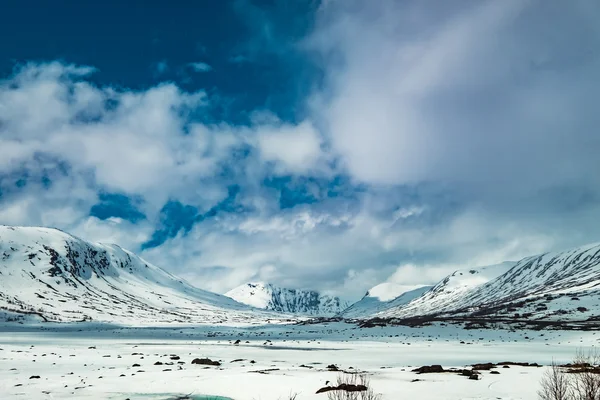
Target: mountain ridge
<point>550,288</point>
<point>371,304</point>
<point>62,278</point>
<point>54,276</point>
<point>294,301</point>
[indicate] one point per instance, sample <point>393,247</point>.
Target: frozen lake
<point>271,362</point>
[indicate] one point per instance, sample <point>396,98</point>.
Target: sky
<point>329,145</point>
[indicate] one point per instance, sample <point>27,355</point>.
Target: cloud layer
<point>437,139</point>
<point>495,94</point>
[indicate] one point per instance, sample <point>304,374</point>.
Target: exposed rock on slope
<point>59,277</point>
<point>270,297</point>
<point>450,290</point>
<point>552,287</point>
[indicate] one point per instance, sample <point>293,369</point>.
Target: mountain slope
<point>451,289</point>
<point>62,278</point>
<point>270,297</point>
<point>557,286</point>
<point>380,298</point>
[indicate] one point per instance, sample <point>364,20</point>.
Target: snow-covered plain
<point>86,361</point>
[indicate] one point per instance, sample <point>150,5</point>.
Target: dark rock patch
<point>429,369</point>
<point>205,361</point>
<point>265,371</point>
<point>483,367</point>
<point>519,364</point>
<point>344,386</point>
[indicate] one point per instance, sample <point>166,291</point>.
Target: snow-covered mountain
<point>57,277</point>
<point>380,298</point>
<point>386,298</point>
<point>560,286</point>
<point>451,289</point>
<point>295,301</point>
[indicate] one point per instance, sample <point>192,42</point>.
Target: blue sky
<point>314,144</point>
<point>245,50</point>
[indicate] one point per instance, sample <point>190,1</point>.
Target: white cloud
<point>200,67</point>
<point>238,59</point>
<point>342,253</point>
<point>113,230</point>
<point>142,144</point>
<point>480,95</point>
<point>137,143</point>
<point>296,149</point>
<point>128,149</point>
<point>62,205</point>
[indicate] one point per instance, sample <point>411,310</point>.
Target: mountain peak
<point>556,286</point>
<point>268,296</point>
<point>49,274</point>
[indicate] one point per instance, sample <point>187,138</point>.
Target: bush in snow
<point>555,384</point>
<point>577,381</point>
<point>353,380</point>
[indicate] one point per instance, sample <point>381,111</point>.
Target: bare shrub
<point>355,380</point>
<point>555,385</point>
<point>577,381</point>
<point>585,380</point>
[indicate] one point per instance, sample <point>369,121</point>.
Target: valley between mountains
<point>51,276</point>
<point>82,320</point>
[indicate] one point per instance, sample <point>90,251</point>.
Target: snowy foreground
<point>95,362</point>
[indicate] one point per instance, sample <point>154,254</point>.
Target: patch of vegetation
<point>351,387</point>
<point>579,380</point>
